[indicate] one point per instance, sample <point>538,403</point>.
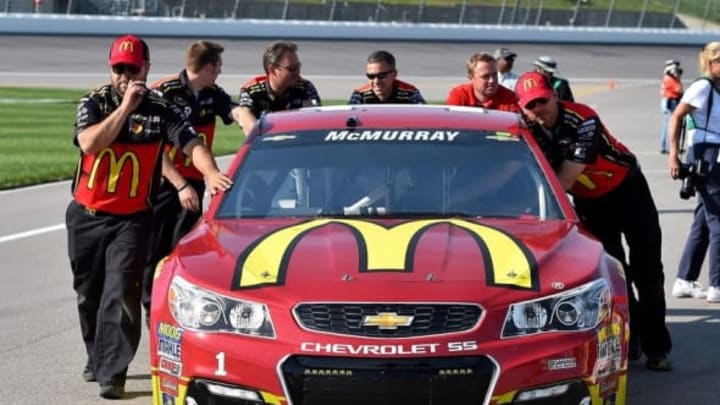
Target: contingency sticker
<point>169,341</point>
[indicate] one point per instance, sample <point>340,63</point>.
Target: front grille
<point>428,319</point>
<point>350,381</point>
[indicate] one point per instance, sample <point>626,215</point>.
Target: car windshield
<point>389,173</point>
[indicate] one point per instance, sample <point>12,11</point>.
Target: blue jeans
<point>667,106</point>
<point>696,246</point>
<point>708,188</point>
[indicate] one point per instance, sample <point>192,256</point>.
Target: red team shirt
<point>201,109</point>
<point>123,177</point>
<point>584,139</point>
<point>504,100</point>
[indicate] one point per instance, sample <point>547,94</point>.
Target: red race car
<point>389,255</point>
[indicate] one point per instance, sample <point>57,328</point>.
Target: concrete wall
<point>354,11</point>
<point>62,24</point>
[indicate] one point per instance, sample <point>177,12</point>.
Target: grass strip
<point>37,132</point>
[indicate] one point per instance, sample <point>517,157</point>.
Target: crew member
<point>120,129</point>
<point>483,90</point>
<point>612,198</point>
<point>383,85</point>
<point>195,91</point>
<point>280,88</point>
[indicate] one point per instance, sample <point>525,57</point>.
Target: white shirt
<point>508,79</point>
<point>698,96</point>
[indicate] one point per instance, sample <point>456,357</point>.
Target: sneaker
<point>88,375</point>
<point>658,363</point>
<point>686,289</point>
<point>713,294</point>
<point>112,391</point>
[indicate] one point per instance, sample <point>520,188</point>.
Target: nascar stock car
<point>389,255</point>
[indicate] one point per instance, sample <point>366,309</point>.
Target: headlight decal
<point>508,263</point>
<point>204,310</point>
<point>579,309</point>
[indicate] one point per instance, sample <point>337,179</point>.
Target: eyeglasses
<point>379,75</point>
<point>290,68</point>
<point>129,69</point>
<point>536,102</point>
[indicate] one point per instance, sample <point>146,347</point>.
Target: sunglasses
<point>129,69</point>
<point>290,68</point>
<point>536,102</point>
<point>380,75</point>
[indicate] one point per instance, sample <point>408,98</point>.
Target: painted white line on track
<point>688,318</point>
<point>32,232</point>
<point>64,183</point>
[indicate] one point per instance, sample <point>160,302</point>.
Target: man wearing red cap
<point>612,198</point>
<point>484,89</point>
<point>120,129</point>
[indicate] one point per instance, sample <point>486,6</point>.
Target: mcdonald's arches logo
<point>507,262</point>
<point>529,83</point>
<point>115,165</point>
<point>173,152</point>
<point>127,46</point>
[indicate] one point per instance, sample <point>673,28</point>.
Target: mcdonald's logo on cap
<point>529,83</point>
<point>128,50</point>
<point>532,86</point>
<point>127,46</point>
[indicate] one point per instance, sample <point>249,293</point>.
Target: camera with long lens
<point>690,173</point>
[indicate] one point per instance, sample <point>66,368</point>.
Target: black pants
<point>630,211</point>
<point>170,223</point>
<point>107,254</point>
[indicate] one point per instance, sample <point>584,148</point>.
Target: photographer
<point>701,173</point>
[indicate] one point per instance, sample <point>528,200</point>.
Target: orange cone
<point>612,84</point>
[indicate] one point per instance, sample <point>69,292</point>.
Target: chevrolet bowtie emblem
<point>387,320</point>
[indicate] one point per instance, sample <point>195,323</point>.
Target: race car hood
<point>329,259</point>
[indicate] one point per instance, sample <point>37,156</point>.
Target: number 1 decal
<point>220,371</point>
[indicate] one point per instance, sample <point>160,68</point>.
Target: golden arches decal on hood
<point>507,262</point>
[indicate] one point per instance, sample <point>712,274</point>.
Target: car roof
<point>390,116</point>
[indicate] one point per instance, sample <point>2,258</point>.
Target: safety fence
<point>674,14</point>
